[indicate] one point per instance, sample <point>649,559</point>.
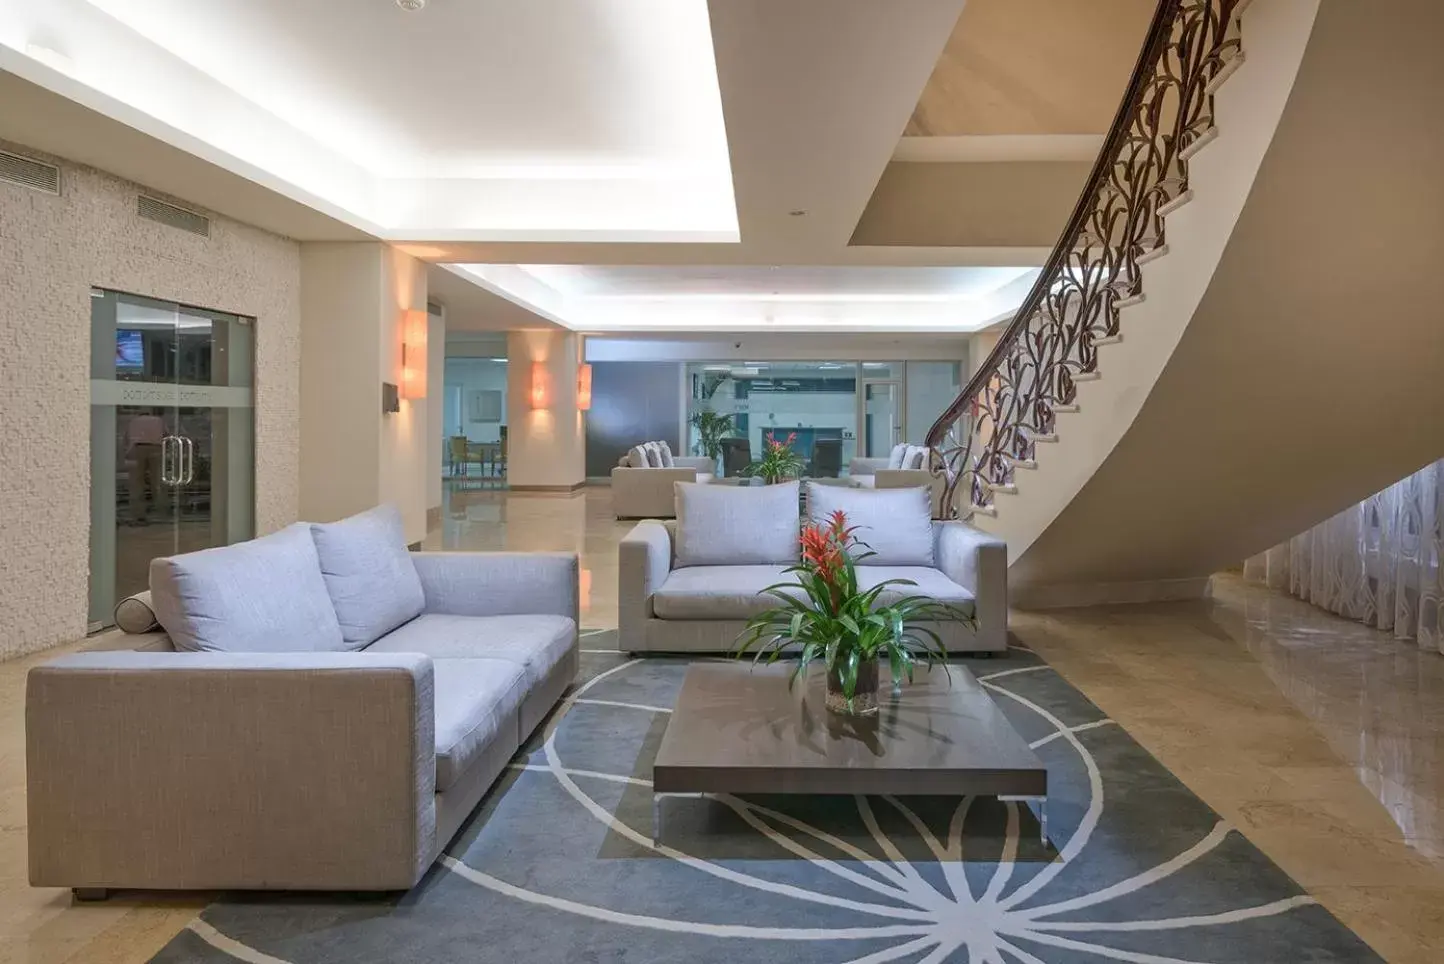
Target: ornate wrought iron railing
<point>1012,401</point>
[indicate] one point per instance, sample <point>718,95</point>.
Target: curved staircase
<point>1105,437</point>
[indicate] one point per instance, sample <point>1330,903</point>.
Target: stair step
<point>1203,141</point>
<point>1152,255</point>
<point>1044,437</point>
<point>1086,377</point>
<point>1021,463</point>
<point>1107,340</point>
<point>986,510</point>
<point>1164,210</point>
<point>1130,301</point>
<point>1226,71</point>
<point>1006,489</point>
<point>1063,409</point>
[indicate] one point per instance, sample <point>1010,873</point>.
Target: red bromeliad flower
<point>825,546</point>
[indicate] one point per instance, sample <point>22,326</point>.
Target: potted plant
<point>825,616</point>
<point>712,428</point>
<point>779,462</point>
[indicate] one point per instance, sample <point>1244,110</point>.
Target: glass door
<point>172,438</point>
<point>882,416</point>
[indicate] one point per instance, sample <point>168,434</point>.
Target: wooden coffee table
<point>738,729</point>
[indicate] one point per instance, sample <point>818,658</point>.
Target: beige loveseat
<point>323,713</point>
<point>691,585</point>
<point>643,479</point>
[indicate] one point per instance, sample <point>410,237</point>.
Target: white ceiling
<point>611,298</point>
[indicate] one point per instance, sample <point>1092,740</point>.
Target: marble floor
<point>1319,739</point>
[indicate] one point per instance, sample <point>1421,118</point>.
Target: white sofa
<point>691,585</point>
<point>906,466</point>
<point>643,480</point>
<point>323,713</point>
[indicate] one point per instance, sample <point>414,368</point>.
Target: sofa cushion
<point>726,525</point>
<point>930,583</point>
<point>476,704</point>
<point>916,457</point>
<point>654,454</point>
<point>718,592</point>
<point>896,524</point>
<point>261,596</point>
<point>897,455</point>
<point>669,461</point>
<point>637,457</point>
<point>535,643</point>
<point>369,574</point>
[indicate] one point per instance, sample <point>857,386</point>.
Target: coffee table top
<point>736,728</point>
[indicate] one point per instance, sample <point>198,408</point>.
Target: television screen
<point>129,349</point>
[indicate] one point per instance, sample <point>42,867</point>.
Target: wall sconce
<point>413,355</point>
<point>541,389</point>
<point>584,387</point>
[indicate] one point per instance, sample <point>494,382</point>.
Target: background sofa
<point>323,712</point>
<point>643,479</point>
<point>691,585</point>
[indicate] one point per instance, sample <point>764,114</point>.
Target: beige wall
<point>52,251</point>
<point>353,302</point>
<point>977,204</point>
<point>1033,67</point>
<point>1310,375</point>
<point>546,447</point>
<point>435,406</point>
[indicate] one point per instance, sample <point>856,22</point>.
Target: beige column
<point>546,432</point>
<point>355,297</point>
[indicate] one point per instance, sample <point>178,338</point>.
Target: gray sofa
<point>691,585</point>
<point>643,479</point>
<point>323,713</point>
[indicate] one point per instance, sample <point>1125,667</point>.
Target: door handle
<point>187,460</point>
<point>170,465</point>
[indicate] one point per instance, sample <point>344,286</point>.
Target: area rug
<point>558,864</point>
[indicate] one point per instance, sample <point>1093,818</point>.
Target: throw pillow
<point>134,615</point>
<point>896,456</point>
<point>654,455</point>
<point>737,525</point>
<point>896,524</point>
<point>916,457</point>
<point>637,457</point>
<point>262,596</point>
<point>369,574</point>
<point>669,461</point>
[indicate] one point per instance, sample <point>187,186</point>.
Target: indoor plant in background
<point>712,427</point>
<point>779,461</point>
<point>849,629</point>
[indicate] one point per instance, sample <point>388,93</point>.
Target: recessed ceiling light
<point>796,214</point>
<point>411,4</point>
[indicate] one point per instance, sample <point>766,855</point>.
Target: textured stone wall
<point>52,252</point>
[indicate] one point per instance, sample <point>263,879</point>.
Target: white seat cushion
<point>476,705</point>
<point>534,643</point>
<point>717,592</point>
<point>897,455</point>
<point>930,583</point>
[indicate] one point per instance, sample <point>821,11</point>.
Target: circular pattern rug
<point>558,863</point>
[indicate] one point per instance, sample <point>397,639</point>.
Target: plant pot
<point>864,696</point>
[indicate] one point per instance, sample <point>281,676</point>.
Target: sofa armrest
<point>863,466</point>
<point>219,770</point>
<point>978,562</point>
<point>699,463</point>
<point>644,562</point>
<point>500,583</point>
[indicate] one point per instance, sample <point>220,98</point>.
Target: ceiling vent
<point>154,209</point>
<point>27,172</point>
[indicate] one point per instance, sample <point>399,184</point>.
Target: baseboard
<point>1070,595</point>
<point>433,517</point>
<point>548,488</point>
